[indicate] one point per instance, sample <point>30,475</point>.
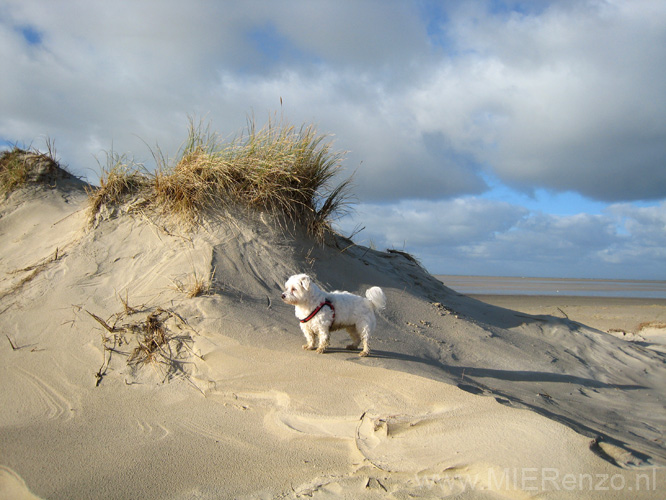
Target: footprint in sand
<point>341,428</point>
<point>155,431</point>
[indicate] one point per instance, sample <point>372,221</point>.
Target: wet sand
<point>603,313</point>
<point>507,285</point>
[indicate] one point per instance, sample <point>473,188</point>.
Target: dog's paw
<point>321,350</point>
<point>308,347</point>
<point>364,354</point>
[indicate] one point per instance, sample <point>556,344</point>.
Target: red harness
<point>314,313</point>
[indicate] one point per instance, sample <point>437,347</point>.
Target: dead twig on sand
<point>14,348</point>
<point>110,329</point>
<point>128,309</point>
<point>102,369</point>
<point>34,270</point>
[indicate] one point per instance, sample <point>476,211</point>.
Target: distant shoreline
<point>555,287</point>
<point>625,314</point>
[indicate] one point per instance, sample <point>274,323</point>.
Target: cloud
<point>477,236</point>
<point>367,37</point>
<point>570,98</point>
<point>433,224</point>
<point>643,237</point>
<point>389,156</point>
<point>562,95</point>
<point>124,75</point>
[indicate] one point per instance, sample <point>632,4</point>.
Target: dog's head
<point>297,289</point>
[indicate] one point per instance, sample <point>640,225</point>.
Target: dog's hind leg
<point>356,338</point>
<point>365,336</point>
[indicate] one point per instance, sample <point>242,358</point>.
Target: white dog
<point>320,312</point>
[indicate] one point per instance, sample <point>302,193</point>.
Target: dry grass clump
<point>120,181</point>
<point>278,168</point>
<point>153,341</point>
<point>651,325</point>
<point>150,341</point>
<point>196,285</point>
<point>19,167</point>
<point>13,170</point>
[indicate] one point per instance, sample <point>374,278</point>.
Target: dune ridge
<point>457,398</point>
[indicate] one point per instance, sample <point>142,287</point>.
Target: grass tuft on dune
<point>286,171</point>
<point>20,167</point>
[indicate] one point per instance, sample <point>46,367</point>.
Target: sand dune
<point>458,397</point>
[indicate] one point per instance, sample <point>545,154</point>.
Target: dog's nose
<point>284,295</point>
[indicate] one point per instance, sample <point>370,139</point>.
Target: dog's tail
<point>377,297</point>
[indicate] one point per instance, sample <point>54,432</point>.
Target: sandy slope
<point>458,397</point>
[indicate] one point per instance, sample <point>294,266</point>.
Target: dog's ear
<point>305,282</point>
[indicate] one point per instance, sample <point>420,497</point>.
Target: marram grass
<point>13,170</point>
<point>19,167</point>
<point>281,169</point>
<point>121,180</point>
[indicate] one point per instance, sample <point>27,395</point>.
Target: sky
<point>485,137</point>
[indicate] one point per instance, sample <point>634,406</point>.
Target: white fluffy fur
<point>353,313</point>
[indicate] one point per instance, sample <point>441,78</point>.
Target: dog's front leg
<point>323,340</point>
<point>310,338</point>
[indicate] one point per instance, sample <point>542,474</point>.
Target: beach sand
<point>637,319</point>
<point>459,397</point>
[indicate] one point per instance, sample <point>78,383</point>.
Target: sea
<point>492,285</point>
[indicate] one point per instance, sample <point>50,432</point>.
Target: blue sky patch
<point>31,35</point>
<point>274,46</point>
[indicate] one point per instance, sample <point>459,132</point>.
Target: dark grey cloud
<point>370,36</point>
<point>573,96</point>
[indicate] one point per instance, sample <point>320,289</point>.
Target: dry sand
<point>458,398</point>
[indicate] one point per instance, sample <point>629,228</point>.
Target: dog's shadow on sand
<point>474,373</point>
<point>380,354</point>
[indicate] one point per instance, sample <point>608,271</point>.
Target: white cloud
<point>478,236</point>
<point>643,241</point>
<point>433,224</point>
